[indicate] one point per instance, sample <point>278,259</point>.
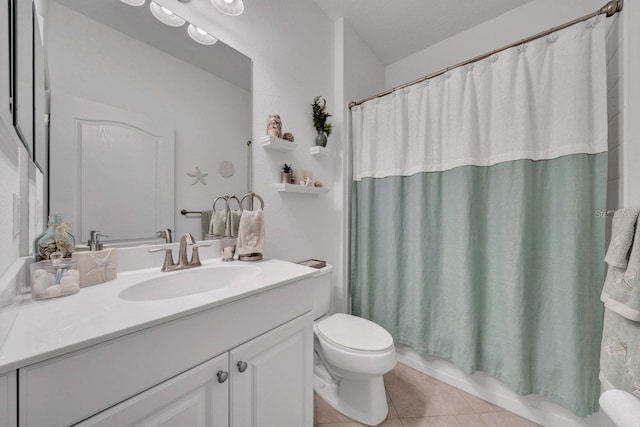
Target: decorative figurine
<point>274,126</point>
<point>288,136</point>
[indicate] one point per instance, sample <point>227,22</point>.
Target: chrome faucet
<point>183,261</point>
<point>166,234</point>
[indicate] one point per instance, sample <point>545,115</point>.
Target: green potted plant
<point>320,116</point>
<point>286,172</point>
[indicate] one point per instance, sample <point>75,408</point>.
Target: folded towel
<point>621,291</point>
<point>218,223</point>
<point>622,232</point>
<point>205,219</point>
<point>251,232</point>
<point>620,354</point>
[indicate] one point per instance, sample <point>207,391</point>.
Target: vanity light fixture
<point>229,7</point>
<point>133,2</point>
<point>166,16</point>
<point>201,36</point>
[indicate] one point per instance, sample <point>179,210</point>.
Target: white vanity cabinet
<point>196,398</point>
<point>271,384</point>
<point>167,375</point>
<point>8,400</point>
<point>265,382</point>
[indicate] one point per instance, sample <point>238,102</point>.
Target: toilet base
<point>364,401</point>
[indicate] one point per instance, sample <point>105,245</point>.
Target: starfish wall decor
<point>198,176</point>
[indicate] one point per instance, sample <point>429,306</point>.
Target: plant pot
<point>321,139</point>
<point>285,178</point>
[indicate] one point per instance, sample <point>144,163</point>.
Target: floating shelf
<point>294,188</point>
<point>319,151</point>
<point>278,144</point>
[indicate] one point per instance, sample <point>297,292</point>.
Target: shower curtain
<point>476,233</point>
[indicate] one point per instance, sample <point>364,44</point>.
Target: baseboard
<point>532,407</point>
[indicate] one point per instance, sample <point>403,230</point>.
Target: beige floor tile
<point>471,420</point>
<point>505,419</point>
<point>393,414</point>
<point>417,395</point>
<point>480,405</point>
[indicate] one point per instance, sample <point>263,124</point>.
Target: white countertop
<point>49,328</point>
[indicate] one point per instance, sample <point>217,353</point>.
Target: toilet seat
<point>354,333</point>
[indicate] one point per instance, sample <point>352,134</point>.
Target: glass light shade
<point>133,2</point>
<point>201,36</point>
<point>166,16</point>
<point>229,7</point>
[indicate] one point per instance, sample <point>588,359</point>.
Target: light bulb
<point>133,2</point>
<point>201,36</point>
<point>165,16</point>
<point>229,7</point>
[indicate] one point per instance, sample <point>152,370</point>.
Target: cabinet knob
<point>222,376</point>
<point>242,366</point>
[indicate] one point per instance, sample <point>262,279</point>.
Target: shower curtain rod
<point>610,9</point>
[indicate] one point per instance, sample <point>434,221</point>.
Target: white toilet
<point>351,356</point>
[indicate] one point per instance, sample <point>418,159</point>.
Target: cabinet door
<point>8,400</point>
<point>271,377</point>
<point>196,398</point>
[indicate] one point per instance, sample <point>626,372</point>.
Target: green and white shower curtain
<point>475,231</point>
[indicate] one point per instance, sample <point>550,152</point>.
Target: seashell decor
<point>288,136</point>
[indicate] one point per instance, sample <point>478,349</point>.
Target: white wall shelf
<point>318,151</point>
<point>294,188</point>
<point>278,144</point>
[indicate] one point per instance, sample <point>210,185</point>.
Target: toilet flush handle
<point>242,366</point>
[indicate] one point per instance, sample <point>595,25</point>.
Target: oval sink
<point>189,282</point>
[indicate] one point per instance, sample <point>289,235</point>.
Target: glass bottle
<point>56,238</point>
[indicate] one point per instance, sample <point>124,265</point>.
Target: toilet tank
<point>322,291</point>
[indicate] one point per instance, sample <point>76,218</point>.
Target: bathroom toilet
<point>351,354</point>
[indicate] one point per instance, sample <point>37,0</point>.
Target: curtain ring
<point>552,38</point>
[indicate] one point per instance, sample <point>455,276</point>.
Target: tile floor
<point>418,400</point>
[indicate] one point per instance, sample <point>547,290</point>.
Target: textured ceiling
<point>395,29</point>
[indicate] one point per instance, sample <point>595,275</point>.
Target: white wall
<point>291,44</point>
<point>211,116</point>
<point>615,109</point>
<point>359,73</point>
<point>517,24</point>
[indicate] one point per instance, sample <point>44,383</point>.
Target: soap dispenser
<point>94,241</point>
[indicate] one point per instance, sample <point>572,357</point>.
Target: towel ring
<point>226,201</point>
<point>237,200</point>
<point>252,195</point>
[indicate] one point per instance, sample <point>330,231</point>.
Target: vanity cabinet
<point>8,400</point>
<point>166,375</point>
<point>271,380</point>
<point>196,398</point>
<point>265,382</point>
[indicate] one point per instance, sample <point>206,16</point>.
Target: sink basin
<point>189,282</point>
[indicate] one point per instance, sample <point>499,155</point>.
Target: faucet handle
<point>168,258</point>
<point>195,256</point>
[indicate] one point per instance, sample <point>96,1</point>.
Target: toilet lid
<point>355,332</point>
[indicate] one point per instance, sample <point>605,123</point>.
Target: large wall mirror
<point>144,121</point>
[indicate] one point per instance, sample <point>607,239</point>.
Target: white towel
<point>621,291</point>
<point>251,232</point>
<point>235,222</point>
<point>218,223</point>
<point>622,232</point>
